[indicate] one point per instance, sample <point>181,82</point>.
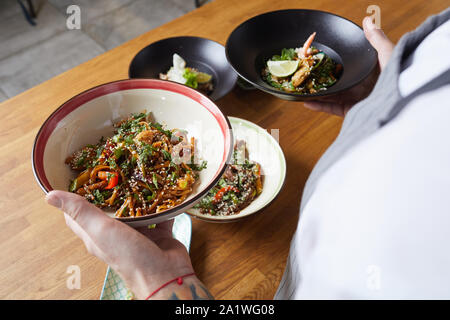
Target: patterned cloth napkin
<point>114,288</point>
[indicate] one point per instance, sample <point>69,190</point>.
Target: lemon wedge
<point>282,68</point>
<point>203,77</point>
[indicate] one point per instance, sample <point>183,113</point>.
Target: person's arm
<point>191,289</point>
<point>146,259</point>
<point>341,103</point>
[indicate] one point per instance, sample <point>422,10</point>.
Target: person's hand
<point>342,102</point>
<point>144,258</point>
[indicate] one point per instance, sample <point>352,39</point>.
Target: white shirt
<point>378,223</point>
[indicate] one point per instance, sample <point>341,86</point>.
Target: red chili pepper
<point>111,177</point>
<point>224,190</point>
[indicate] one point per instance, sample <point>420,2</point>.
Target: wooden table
<point>242,260</point>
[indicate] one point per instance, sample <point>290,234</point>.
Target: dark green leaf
<point>155,181</point>
<point>166,155</point>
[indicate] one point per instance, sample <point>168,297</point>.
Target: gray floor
<point>30,55</point>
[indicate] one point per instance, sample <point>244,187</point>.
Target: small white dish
<point>263,148</point>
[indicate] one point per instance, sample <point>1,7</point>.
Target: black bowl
<point>203,54</point>
<point>256,40</point>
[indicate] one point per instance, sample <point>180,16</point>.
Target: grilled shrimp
<point>304,51</point>
<point>306,62</point>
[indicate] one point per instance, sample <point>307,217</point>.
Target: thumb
<point>86,215</point>
<point>378,40</point>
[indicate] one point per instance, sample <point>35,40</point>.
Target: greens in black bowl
<point>304,70</point>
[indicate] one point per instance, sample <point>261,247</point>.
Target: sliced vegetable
<point>150,198</point>
<point>203,77</point>
<point>166,154</point>
<point>155,180</point>
<point>219,195</point>
<point>113,181</point>
<point>182,184</point>
<point>113,197</point>
<point>73,186</point>
<point>282,68</point>
<point>82,179</point>
<point>319,57</point>
<point>160,128</point>
<point>111,177</point>
<point>195,167</point>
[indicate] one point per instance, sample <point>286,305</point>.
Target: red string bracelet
<point>178,280</point>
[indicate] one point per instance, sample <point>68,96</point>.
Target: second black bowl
<point>202,54</point>
<point>253,42</point>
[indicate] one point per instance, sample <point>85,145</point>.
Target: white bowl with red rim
<point>88,116</point>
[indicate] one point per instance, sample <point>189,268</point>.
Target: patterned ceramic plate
<point>114,287</point>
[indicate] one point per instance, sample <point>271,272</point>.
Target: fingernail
<point>369,23</point>
<point>53,200</point>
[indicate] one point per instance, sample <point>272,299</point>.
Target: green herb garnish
<point>159,127</point>
<point>196,167</point>
<point>166,155</point>
<point>191,78</point>
<point>145,152</point>
<point>155,181</point>
<point>286,54</point>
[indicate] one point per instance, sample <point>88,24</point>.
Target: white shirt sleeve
<point>428,61</point>
<point>378,223</point>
